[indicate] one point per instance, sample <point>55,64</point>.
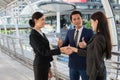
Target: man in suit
<point>77,64</point>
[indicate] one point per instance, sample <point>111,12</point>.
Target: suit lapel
<point>41,37</point>
<point>72,34</point>
<point>82,34</point>
<point>45,36</point>
<point>91,39</point>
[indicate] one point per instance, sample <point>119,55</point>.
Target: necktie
<point>76,37</point>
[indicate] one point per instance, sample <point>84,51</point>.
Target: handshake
<point>68,50</point>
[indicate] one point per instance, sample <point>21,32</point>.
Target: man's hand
<point>73,49</point>
<point>60,42</point>
<point>66,50</point>
<point>83,43</point>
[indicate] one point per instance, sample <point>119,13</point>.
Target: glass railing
<point>20,50</point>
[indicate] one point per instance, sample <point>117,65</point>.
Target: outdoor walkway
<point>10,69</point>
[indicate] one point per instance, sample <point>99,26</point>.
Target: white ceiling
<point>4,3</point>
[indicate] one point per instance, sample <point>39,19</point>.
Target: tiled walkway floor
<point>13,70</point>
<point>10,69</point>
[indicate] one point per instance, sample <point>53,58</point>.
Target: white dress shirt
<point>79,34</point>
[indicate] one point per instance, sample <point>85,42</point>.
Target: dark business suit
<point>43,54</point>
<point>77,62</point>
<point>96,48</point>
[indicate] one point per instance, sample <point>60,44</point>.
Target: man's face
<point>77,21</point>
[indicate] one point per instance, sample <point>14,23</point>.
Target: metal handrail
<point>15,48</point>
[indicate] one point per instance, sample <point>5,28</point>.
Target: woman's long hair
<point>35,15</point>
<point>103,28</point>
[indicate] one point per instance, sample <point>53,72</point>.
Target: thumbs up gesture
<point>60,42</point>
<point>83,43</point>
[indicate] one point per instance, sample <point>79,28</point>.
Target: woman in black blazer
<point>98,48</point>
<point>41,47</point>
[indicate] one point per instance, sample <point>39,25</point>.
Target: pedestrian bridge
<point>16,55</point>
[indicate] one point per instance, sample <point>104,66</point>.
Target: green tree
<point>88,25</point>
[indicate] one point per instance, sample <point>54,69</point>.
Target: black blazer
<point>95,57</point>
<point>40,45</point>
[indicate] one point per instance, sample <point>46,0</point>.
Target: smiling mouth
<point>77,24</point>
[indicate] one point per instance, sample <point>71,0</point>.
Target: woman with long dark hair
<point>98,48</point>
<point>41,47</point>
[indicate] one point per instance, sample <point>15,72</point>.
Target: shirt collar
<point>80,29</point>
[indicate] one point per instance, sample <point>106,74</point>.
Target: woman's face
<point>39,23</point>
<point>94,24</point>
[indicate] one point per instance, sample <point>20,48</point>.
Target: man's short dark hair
<point>75,12</point>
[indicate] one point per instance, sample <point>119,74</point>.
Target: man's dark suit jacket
<point>40,45</point>
<point>75,61</point>
<point>95,57</point>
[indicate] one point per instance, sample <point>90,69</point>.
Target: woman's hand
<point>50,75</point>
<point>73,49</point>
<point>66,50</point>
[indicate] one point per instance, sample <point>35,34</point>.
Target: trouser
<point>75,74</point>
<point>101,78</point>
<point>41,73</point>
